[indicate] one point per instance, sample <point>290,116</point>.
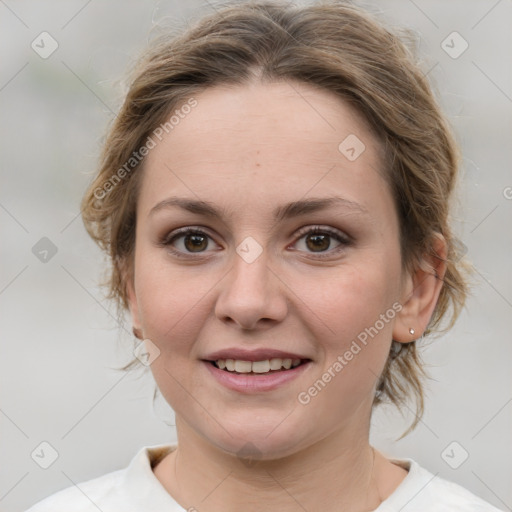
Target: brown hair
<point>331,45</point>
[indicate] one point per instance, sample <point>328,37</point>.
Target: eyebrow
<point>283,212</point>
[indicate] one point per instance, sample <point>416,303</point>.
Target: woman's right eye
<point>187,241</point>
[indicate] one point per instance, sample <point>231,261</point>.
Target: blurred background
<point>62,65</point>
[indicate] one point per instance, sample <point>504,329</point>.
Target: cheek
<point>168,303</point>
<point>357,316</point>
<point>172,309</point>
<point>350,299</point>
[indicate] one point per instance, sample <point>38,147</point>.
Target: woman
<point>274,198</point>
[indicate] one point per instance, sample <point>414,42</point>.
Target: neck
<point>338,472</point>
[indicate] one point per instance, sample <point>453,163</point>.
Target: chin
<point>259,438</point>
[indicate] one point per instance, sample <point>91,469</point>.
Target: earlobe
<point>421,291</point>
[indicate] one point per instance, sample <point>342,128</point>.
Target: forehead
<point>266,113</point>
<point>265,141</point>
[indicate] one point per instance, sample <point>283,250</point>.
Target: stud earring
<point>411,331</point>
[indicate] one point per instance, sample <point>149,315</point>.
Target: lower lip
<point>252,383</point>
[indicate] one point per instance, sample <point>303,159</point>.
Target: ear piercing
<point>411,331</point>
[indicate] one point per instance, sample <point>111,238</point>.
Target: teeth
<point>239,366</point>
<point>243,366</point>
<point>275,363</point>
<point>260,366</point>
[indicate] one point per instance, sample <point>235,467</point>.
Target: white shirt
<point>136,489</point>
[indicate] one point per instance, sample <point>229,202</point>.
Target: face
<point>301,260</point>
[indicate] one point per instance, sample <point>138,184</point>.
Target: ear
<point>128,277</point>
<point>420,291</point>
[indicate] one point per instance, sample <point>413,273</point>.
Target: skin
<point>249,149</point>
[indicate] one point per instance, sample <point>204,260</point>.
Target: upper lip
<point>260,354</point>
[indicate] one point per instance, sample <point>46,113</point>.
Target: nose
<point>251,295</point>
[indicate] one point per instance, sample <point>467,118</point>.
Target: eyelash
<point>344,240</point>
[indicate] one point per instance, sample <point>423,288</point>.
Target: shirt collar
<point>144,490</point>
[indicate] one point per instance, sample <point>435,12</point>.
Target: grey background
<point>60,338</point>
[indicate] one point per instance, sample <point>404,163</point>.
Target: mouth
<point>255,377</point>
<point>263,367</point>
<point>256,370</point>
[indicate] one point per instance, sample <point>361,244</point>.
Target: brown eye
<point>195,243</point>
<point>318,242</point>
<point>187,241</point>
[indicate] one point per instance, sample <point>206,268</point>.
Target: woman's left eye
<point>319,240</point>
